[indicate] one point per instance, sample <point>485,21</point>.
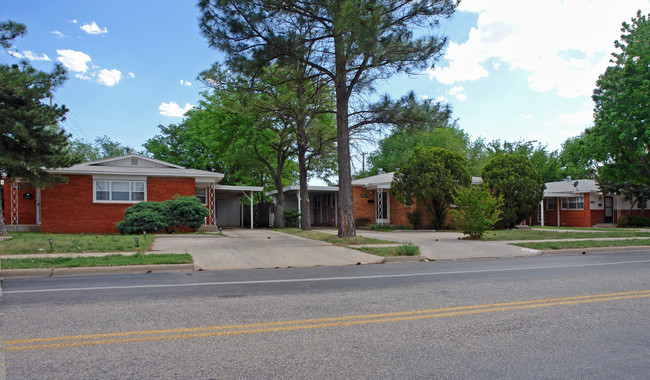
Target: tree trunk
<point>305,207</point>
<point>279,207</point>
<point>345,203</point>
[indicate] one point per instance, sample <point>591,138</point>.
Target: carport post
<point>251,198</point>
<point>299,210</point>
<point>541,207</point>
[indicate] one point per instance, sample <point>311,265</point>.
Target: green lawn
<point>37,242</point>
<point>406,249</point>
<point>537,234</point>
<point>552,245</point>
<point>100,261</point>
<point>322,236</point>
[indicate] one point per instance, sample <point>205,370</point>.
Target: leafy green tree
<point>357,43</point>
<point>477,210</point>
<point>30,137</point>
<point>513,177</point>
<point>578,156</point>
<point>547,164</point>
<point>103,147</point>
<point>622,111</point>
<point>431,176</point>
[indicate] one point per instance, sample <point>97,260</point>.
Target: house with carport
<point>97,193</point>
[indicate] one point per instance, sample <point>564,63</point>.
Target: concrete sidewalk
<point>447,246</point>
<point>249,249</point>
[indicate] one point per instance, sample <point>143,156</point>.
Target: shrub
<point>186,211</point>
<point>633,221</point>
<point>477,211</point>
<point>291,218</point>
<point>415,219</point>
<point>158,216</point>
<point>144,216</point>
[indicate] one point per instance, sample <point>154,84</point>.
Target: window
<point>119,191</point>
<point>550,204</point>
<point>573,203</point>
<point>200,193</point>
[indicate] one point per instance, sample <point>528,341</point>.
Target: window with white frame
<point>200,192</point>
<point>119,191</point>
<point>573,203</point>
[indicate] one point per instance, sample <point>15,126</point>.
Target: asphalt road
<point>577,316</point>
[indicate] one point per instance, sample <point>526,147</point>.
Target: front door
<point>381,208</point>
<point>609,210</point>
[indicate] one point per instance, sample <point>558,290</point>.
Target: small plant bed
<point>550,234</point>
<point>553,245</point>
<point>406,249</point>
<point>96,261</point>
<point>37,242</point>
<point>323,236</point>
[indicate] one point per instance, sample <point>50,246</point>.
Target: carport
<point>226,203</point>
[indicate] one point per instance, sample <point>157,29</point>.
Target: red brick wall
<point>69,208</point>
<point>364,209</point>
<point>26,207</point>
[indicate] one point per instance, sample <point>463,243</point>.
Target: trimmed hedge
<point>633,221</point>
<point>163,216</point>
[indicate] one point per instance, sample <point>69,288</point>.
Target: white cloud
<point>565,56</point>
<point>583,118</point>
<point>131,75</point>
<point>109,77</point>
<point>74,21</point>
<point>58,34</point>
<point>74,60</point>
<point>29,55</point>
<point>457,91</point>
<point>185,83</point>
<point>172,109</point>
<point>525,116</point>
<point>93,28</point>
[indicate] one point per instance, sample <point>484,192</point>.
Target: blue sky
<point>512,70</point>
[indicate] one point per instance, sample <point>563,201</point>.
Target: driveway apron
<point>248,249</point>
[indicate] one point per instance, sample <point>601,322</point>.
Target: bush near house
<point>477,211</point>
<point>291,218</point>
<point>633,221</point>
<point>163,216</point>
<point>415,219</point>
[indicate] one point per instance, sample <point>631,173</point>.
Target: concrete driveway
<point>249,249</point>
<point>446,246</point>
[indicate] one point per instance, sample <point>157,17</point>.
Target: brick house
<point>580,203</point>
<point>97,193</point>
<point>373,202</point>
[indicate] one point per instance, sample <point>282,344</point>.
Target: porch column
<point>211,206</point>
<point>14,203</point>
<point>541,206</point>
<point>558,207</point>
<point>252,221</point>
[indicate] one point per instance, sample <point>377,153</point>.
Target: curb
<point>402,259</point>
<point>48,272</point>
<point>594,250</point>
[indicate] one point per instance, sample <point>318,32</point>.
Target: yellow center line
<point>306,324</point>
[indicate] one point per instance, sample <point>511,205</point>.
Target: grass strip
<point>37,242</point>
<point>96,261</point>
<point>323,236</point>
<point>553,245</point>
<point>402,250</point>
<point>537,234</point>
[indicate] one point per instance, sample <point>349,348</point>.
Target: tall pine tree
<point>30,137</point>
